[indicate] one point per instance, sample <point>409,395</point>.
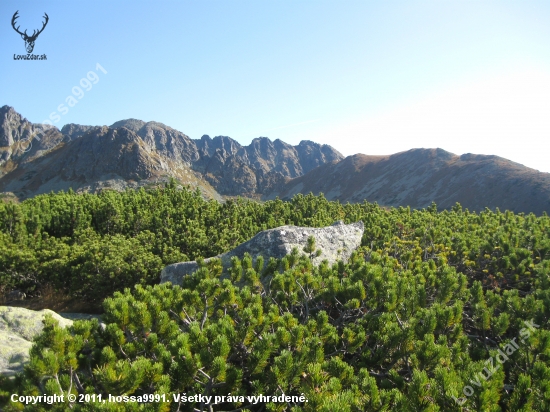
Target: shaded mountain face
<point>418,177</point>
<point>15,132</point>
<point>133,153</point>
<point>261,167</point>
<point>99,159</point>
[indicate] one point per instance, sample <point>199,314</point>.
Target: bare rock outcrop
<point>16,135</point>
<point>261,167</point>
<point>336,242</point>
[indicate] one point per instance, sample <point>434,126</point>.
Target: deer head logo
<point>29,40</point>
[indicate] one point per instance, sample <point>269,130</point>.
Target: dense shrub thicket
<point>92,245</point>
<point>437,311</point>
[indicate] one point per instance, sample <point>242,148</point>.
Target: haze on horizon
<point>363,76</point>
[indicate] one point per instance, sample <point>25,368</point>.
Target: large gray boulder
<point>18,326</point>
<point>336,242</point>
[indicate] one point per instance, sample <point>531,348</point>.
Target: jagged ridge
<point>132,153</point>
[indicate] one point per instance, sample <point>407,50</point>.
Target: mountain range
<point>133,153</point>
<point>418,177</point>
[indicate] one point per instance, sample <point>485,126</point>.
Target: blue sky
<point>373,77</point>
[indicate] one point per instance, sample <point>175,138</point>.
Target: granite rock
<point>18,326</point>
<point>336,242</point>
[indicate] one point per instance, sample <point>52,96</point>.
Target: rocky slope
<point>133,153</point>
<point>418,177</point>
<point>100,158</point>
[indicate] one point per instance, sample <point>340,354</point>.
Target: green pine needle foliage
<point>437,311</point>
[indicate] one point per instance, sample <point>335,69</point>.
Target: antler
<point>15,16</point>
<point>44,25</point>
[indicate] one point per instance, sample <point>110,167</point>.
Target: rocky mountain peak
<point>131,124</point>
<point>8,110</point>
<point>223,145</point>
<point>308,143</point>
<point>262,146</point>
<point>21,140</point>
<point>74,131</point>
<point>13,126</point>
